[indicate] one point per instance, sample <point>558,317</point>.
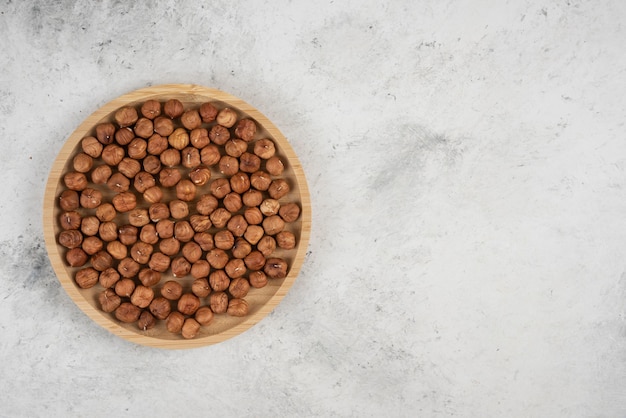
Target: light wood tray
<point>261,301</point>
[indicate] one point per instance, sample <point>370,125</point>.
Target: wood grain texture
<point>262,301</point>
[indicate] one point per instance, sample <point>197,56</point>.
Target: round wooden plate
<point>223,326</point>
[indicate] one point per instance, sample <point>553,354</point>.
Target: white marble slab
<point>466,161</point>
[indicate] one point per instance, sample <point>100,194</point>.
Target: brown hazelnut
<point>188,304</point>
<point>217,258</point>
<point>105,132</point>
<point>106,212</point>
<point>174,322</point>
<point>151,109</point>
<point>220,187</point>
<point>279,188</point>
<point>142,296</point>
<point>218,302</point>
<point>237,307</point>
<point>149,277</point>
<point>241,248</point>
<point>76,257</point>
<point>252,198</point>
<point>101,174</point>
<point>92,245</point>
<point>253,216</point>
<point>183,231</point>
<point>124,202</point>
<point>124,136</point>
<point>191,119</point>
<point>199,138</point>
<point>153,194</point>
<point>228,165</point>
<point>90,198</point>
<point>169,176</point>
<point>171,290</point>
<point>109,277</point>
<point>264,148</point>
<point>226,117</point>
<point>127,312</point>
<point>69,200</point>
<point>237,225</point>
<point>219,280</point>
<point>269,207</point>
<point>108,231</point>
<point>253,234</point>
<point>257,279</point>
<point>224,240</point>
<point>200,223</point>
<point>255,260</point>
<point>185,190</point>
<point>146,321</point>
<point>101,260</point>
<point>179,209</point>
<point>190,157</point>
<point>75,181</point>
<point>289,212</point>
<point>112,154</point>
<point>82,162</point>
<point>232,202</point>
<point>200,175</point>
<point>239,288</point>
<point>210,155</point>
<point>152,164</point>
<point>158,211</point>
<point>204,240</point>
<point>86,278</point>
<point>156,145</point>
<point>267,245</point>
<point>70,239</point>
<point>204,315</point>
<point>109,301</point>
<point>245,129</point>
<point>219,217</point>
<point>170,157</point>
<point>160,307</point>
<point>126,116</point>
<point>165,228</point>
<point>219,135</point>
<point>169,246</point>
<point>70,220</point>
<point>206,204</point>
<point>286,240</point>
<point>148,234</point>
<point>235,268</point>
<point>235,147</point>
<point>274,166</point>
<point>128,267</point>
<point>159,262</point>
<point>200,287</point>
<point>118,183</point>
<point>239,182</point>
<point>91,146</point>
<point>208,112</point>
<point>200,268</point>
<point>272,225</point>
<point>163,126</point>
<point>144,128</point>
<point>178,139</point>
<point>143,181</point>
<point>173,108</point>
<point>260,180</point>
<point>128,234</point>
<point>192,251</point>
<point>141,252</point>
<point>275,268</point>
<point>89,225</point>
<point>249,163</point>
<point>117,250</point>
<point>137,148</point>
<point>190,328</point>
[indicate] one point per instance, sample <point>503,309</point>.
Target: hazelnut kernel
<point>190,328</point>
<point>137,148</point>
<point>257,279</point>
<point>70,238</point>
<point>278,188</point>
<point>169,176</point>
<point>144,128</point>
<point>180,267</point>
<point>224,240</point>
<point>204,315</point>
<point>289,212</point>
<point>109,301</point>
<point>249,163</point>
<point>174,322</point>
<point>128,234</point>
<point>141,252</point>
<point>200,287</point>
<point>219,217</point>
<point>151,109</point>
<point>159,262</point>
<point>170,157</point>
<point>218,302</point>
<point>190,157</point>
<point>200,268</point>
<point>286,240</point>
<point>109,277</point>
<point>208,112</point>
<point>217,258</point>
<point>127,312</point>
<point>199,138</point>
<point>76,257</point>
<point>232,202</point>
<point>260,180</point>
<point>156,145</point>
<point>143,181</point>
<point>210,155</point>
<point>138,217</point>
<point>118,183</point>
<point>206,204</point>
<point>237,307</point>
<point>165,228</point>
<point>253,216</point>
<point>126,116</point>
<point>101,260</point>
<point>266,245</point>
<point>158,211</point>
<point>178,139</point>
<point>163,126</point>
<point>191,119</point>
<point>108,231</point>
<point>269,207</point>
<point>105,133</point>
<point>69,200</point>
<point>237,225</point>
<point>219,135</point>
<point>253,234</point>
<point>146,321</point>
<point>152,164</point>
<point>264,148</point>
<point>239,182</point>
<point>185,190</point>
<point>192,252</point>
<point>124,202</point>
<point>75,181</point>
<point>124,136</point>
<point>274,166</point>
<point>117,250</point>
<point>169,246</point>
<point>160,307</point>
<point>235,147</point>
<point>171,290</point>
<point>245,129</point>
<point>70,220</point>
<point>149,277</point>
<point>142,296</point>
<point>148,234</point>
<point>239,288</point>
<point>272,225</point>
<point>112,154</point>
<point>200,223</point>
<point>173,108</point>
<point>228,165</point>
<point>252,198</point>
<point>200,175</point>
<point>82,162</point>
<point>220,187</point>
<point>89,225</point>
<point>153,194</point>
<point>188,304</point>
<point>235,268</point>
<point>226,117</point>
<point>183,231</point>
<point>91,146</point>
<point>86,278</point>
<point>204,240</point>
<point>179,209</point>
<point>101,174</point>
<point>275,268</point>
<point>128,267</point>
<point>255,260</point>
<point>106,212</point>
<point>241,248</point>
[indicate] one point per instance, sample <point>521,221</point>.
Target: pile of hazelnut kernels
<point>165,190</point>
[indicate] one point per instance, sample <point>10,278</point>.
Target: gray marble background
<point>467,168</point>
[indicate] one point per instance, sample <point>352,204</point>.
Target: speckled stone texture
<point>467,168</point>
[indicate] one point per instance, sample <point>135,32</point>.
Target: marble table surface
<point>467,168</point>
